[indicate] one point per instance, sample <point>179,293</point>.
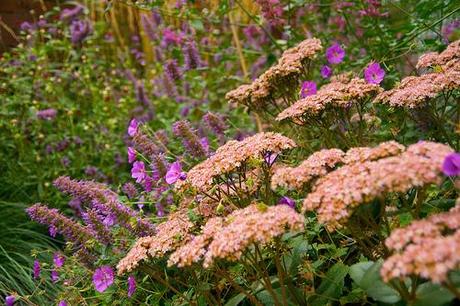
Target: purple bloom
<point>191,55</point>
<point>103,278</point>
<point>451,165</point>
<point>130,190</point>
<point>138,171</point>
<point>335,54</point>
<point>71,230</point>
<point>52,231</point>
<point>131,285</point>
<point>170,38</point>
<point>326,72</point>
<point>190,140</point>
<point>79,29</point>
<point>71,13</point>
<point>270,158</point>
<point>26,26</point>
<point>286,201</point>
<point>172,69</point>
<point>9,300</point>
<point>175,173</point>
<point>148,183</point>
<point>374,74</point>
<point>58,260</point>
<point>62,303</point>
<point>47,114</point>
<point>54,276</point>
<point>131,155</point>
<point>36,269</point>
<point>215,122</point>
<point>132,128</point>
<point>308,89</point>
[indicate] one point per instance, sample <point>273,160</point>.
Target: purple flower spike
<point>335,54</point>
<point>138,171</point>
<point>131,285</point>
<point>132,129</point>
<point>175,173</point>
<point>9,300</point>
<point>287,201</point>
<point>451,165</point>
<point>326,72</point>
<point>36,269</point>
<point>308,89</point>
<point>103,278</point>
<point>131,155</point>
<point>62,303</point>
<point>58,260</point>
<point>374,74</point>
<point>47,114</point>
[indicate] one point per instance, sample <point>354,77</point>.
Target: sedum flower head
<point>336,195</point>
<point>427,248</point>
<point>232,155</point>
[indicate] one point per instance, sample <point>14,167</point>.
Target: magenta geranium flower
<point>286,201</point>
<point>335,54</point>
<point>132,128</point>
<point>36,269</point>
<point>9,300</point>
<point>54,276</point>
<point>58,260</point>
<point>451,164</point>
<point>131,285</point>
<point>175,173</point>
<point>326,71</point>
<point>270,158</point>
<point>374,74</point>
<point>138,171</point>
<point>103,278</point>
<point>131,155</point>
<point>308,89</point>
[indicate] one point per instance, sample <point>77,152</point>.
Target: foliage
<point>311,187</point>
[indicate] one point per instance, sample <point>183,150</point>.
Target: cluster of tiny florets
<point>426,248</point>
<point>335,196</point>
<point>285,73</point>
<point>229,238</point>
<point>169,235</point>
<point>339,94</point>
<point>232,155</point>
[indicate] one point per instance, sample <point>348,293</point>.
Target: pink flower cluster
<point>413,91</point>
<point>449,57</point>
<point>336,195</point>
<point>169,235</point>
<point>233,155</point>
<point>340,93</point>
<point>285,73</point>
<point>427,248</point>
<point>228,238</point>
<point>322,162</point>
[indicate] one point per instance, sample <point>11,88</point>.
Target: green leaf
<point>332,284</point>
<point>358,270</point>
<point>429,294</point>
<point>367,276</point>
<point>236,300</point>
